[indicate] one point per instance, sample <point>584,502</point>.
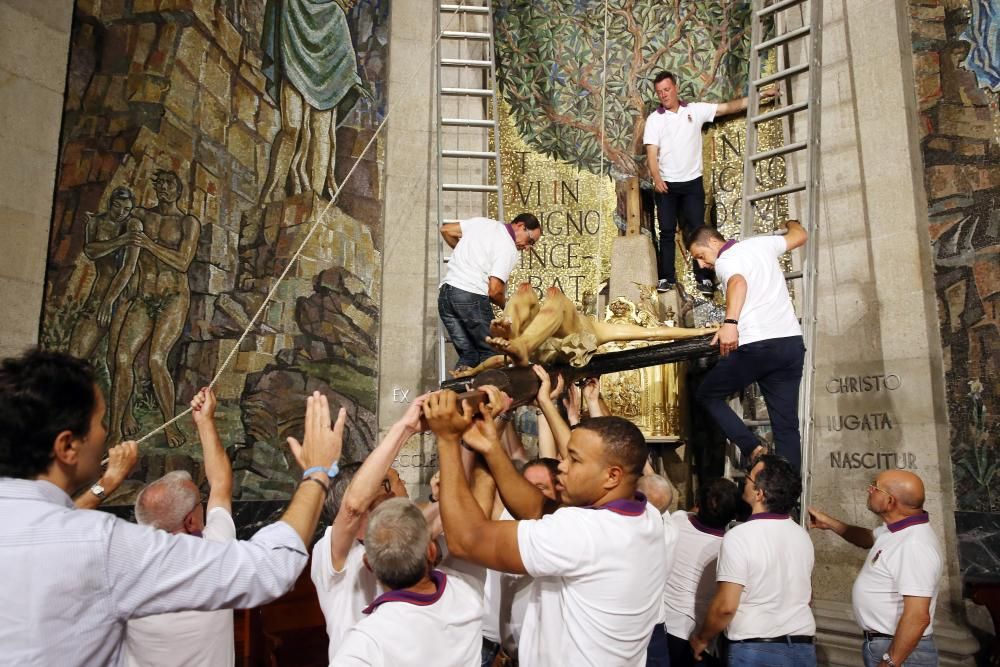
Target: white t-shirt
<point>401,629</point>
<point>772,558</point>
<point>691,582</point>
<point>599,576</point>
<point>485,249</point>
<point>343,594</point>
<point>767,312</point>
<point>677,136</point>
<point>670,536</point>
<point>906,559</point>
<point>203,638</point>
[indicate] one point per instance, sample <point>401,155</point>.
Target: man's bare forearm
<point>218,469</point>
<point>303,511</point>
<point>460,513</point>
<point>521,498</point>
<point>560,429</point>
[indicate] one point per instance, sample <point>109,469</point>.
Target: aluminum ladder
<point>797,38</point>
<point>468,126</point>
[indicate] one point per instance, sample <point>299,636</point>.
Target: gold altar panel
<point>653,398</point>
<point>576,209</point>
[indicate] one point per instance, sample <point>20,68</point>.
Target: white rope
<point>315,224</point>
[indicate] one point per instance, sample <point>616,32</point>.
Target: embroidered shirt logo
<point>875,558</point>
<point>690,120</point>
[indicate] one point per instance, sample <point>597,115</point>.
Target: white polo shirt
<point>767,312</point>
<point>677,136</point>
<point>670,537</point>
<point>485,249</point>
<point>343,594</point>
<point>691,581</point>
<point>906,559</point>
<point>599,576</point>
<point>402,629</point>
<point>772,557</point>
<point>186,637</point>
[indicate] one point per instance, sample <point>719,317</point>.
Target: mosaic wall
<point>200,139</point>
<point>956,59</point>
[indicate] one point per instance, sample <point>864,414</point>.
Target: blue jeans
<point>686,198</point>
<point>776,366</point>
<point>491,650</point>
<point>925,653</point>
<point>658,653</point>
<point>466,317</point>
<point>767,654</point>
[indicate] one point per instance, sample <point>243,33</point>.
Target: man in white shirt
<point>73,578</point>
<point>427,616</point>
<point>173,503</point>
<point>765,578</point>
<point>759,341</point>
<point>895,594</point>
<point>598,563</point>
<point>691,583</point>
<point>343,584</point>
<point>485,253</point>
<point>672,136</point>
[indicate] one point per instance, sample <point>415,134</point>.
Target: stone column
<point>879,393</point>
<point>34,44</point>
<point>408,353</point>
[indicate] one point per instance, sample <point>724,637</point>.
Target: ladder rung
<point>447,221</point>
<point>468,187</point>
<point>782,111</point>
<point>778,6</point>
<point>781,150</point>
<point>793,275</point>
<point>777,76</point>
<point>462,62</point>
<point>777,192</point>
<point>482,155</point>
<point>467,122</point>
<point>756,422</point>
<point>470,92</point>
<point>783,39</point>
<point>458,34</point>
<point>468,9</point>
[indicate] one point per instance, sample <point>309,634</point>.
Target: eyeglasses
<point>873,486</point>
<point>387,485</point>
<point>752,481</point>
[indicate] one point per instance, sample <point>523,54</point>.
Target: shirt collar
<point>440,580</point>
<point>914,520</point>
<point>726,246</point>
<point>625,506</point>
<point>767,515</point>
<point>34,489</point>
<point>698,525</point>
<point>663,109</point>
<point>510,230</point>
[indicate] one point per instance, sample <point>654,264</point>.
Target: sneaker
<point>706,287</point>
<point>664,285</point>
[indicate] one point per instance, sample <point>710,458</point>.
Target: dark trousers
<point>687,199</point>
<point>657,653</point>
<point>466,317</point>
<point>776,366</point>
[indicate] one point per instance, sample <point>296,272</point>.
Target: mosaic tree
<point>551,55</point>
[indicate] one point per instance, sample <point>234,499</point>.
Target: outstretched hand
<point>820,520</point>
<point>482,436</point>
<point>322,444</point>
<point>442,413</point>
<point>545,390</point>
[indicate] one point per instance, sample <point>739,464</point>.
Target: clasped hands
<point>453,421</point>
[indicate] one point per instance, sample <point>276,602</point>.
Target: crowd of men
<point>570,558</point>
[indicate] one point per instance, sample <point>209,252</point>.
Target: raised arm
<point>121,459</point>
<point>471,536</point>
<point>856,535</point>
<point>320,448</point>
<point>560,429</point>
<point>218,469</point>
<point>367,483</point>
<point>796,235</point>
<point>451,232</point>
<point>740,104</point>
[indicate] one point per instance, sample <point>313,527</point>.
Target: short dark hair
<point>529,221</point>
<point>701,236</point>
<point>338,489</point>
<point>545,462</point>
<point>718,500</point>
<point>42,394</point>
<point>780,483</point>
<point>664,74</point>
<point>624,443</point>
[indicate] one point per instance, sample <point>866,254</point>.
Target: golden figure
<point>167,245</point>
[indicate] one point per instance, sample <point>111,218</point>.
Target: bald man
<point>896,591</point>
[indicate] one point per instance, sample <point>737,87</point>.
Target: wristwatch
<point>887,659</point>
<point>98,491</point>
